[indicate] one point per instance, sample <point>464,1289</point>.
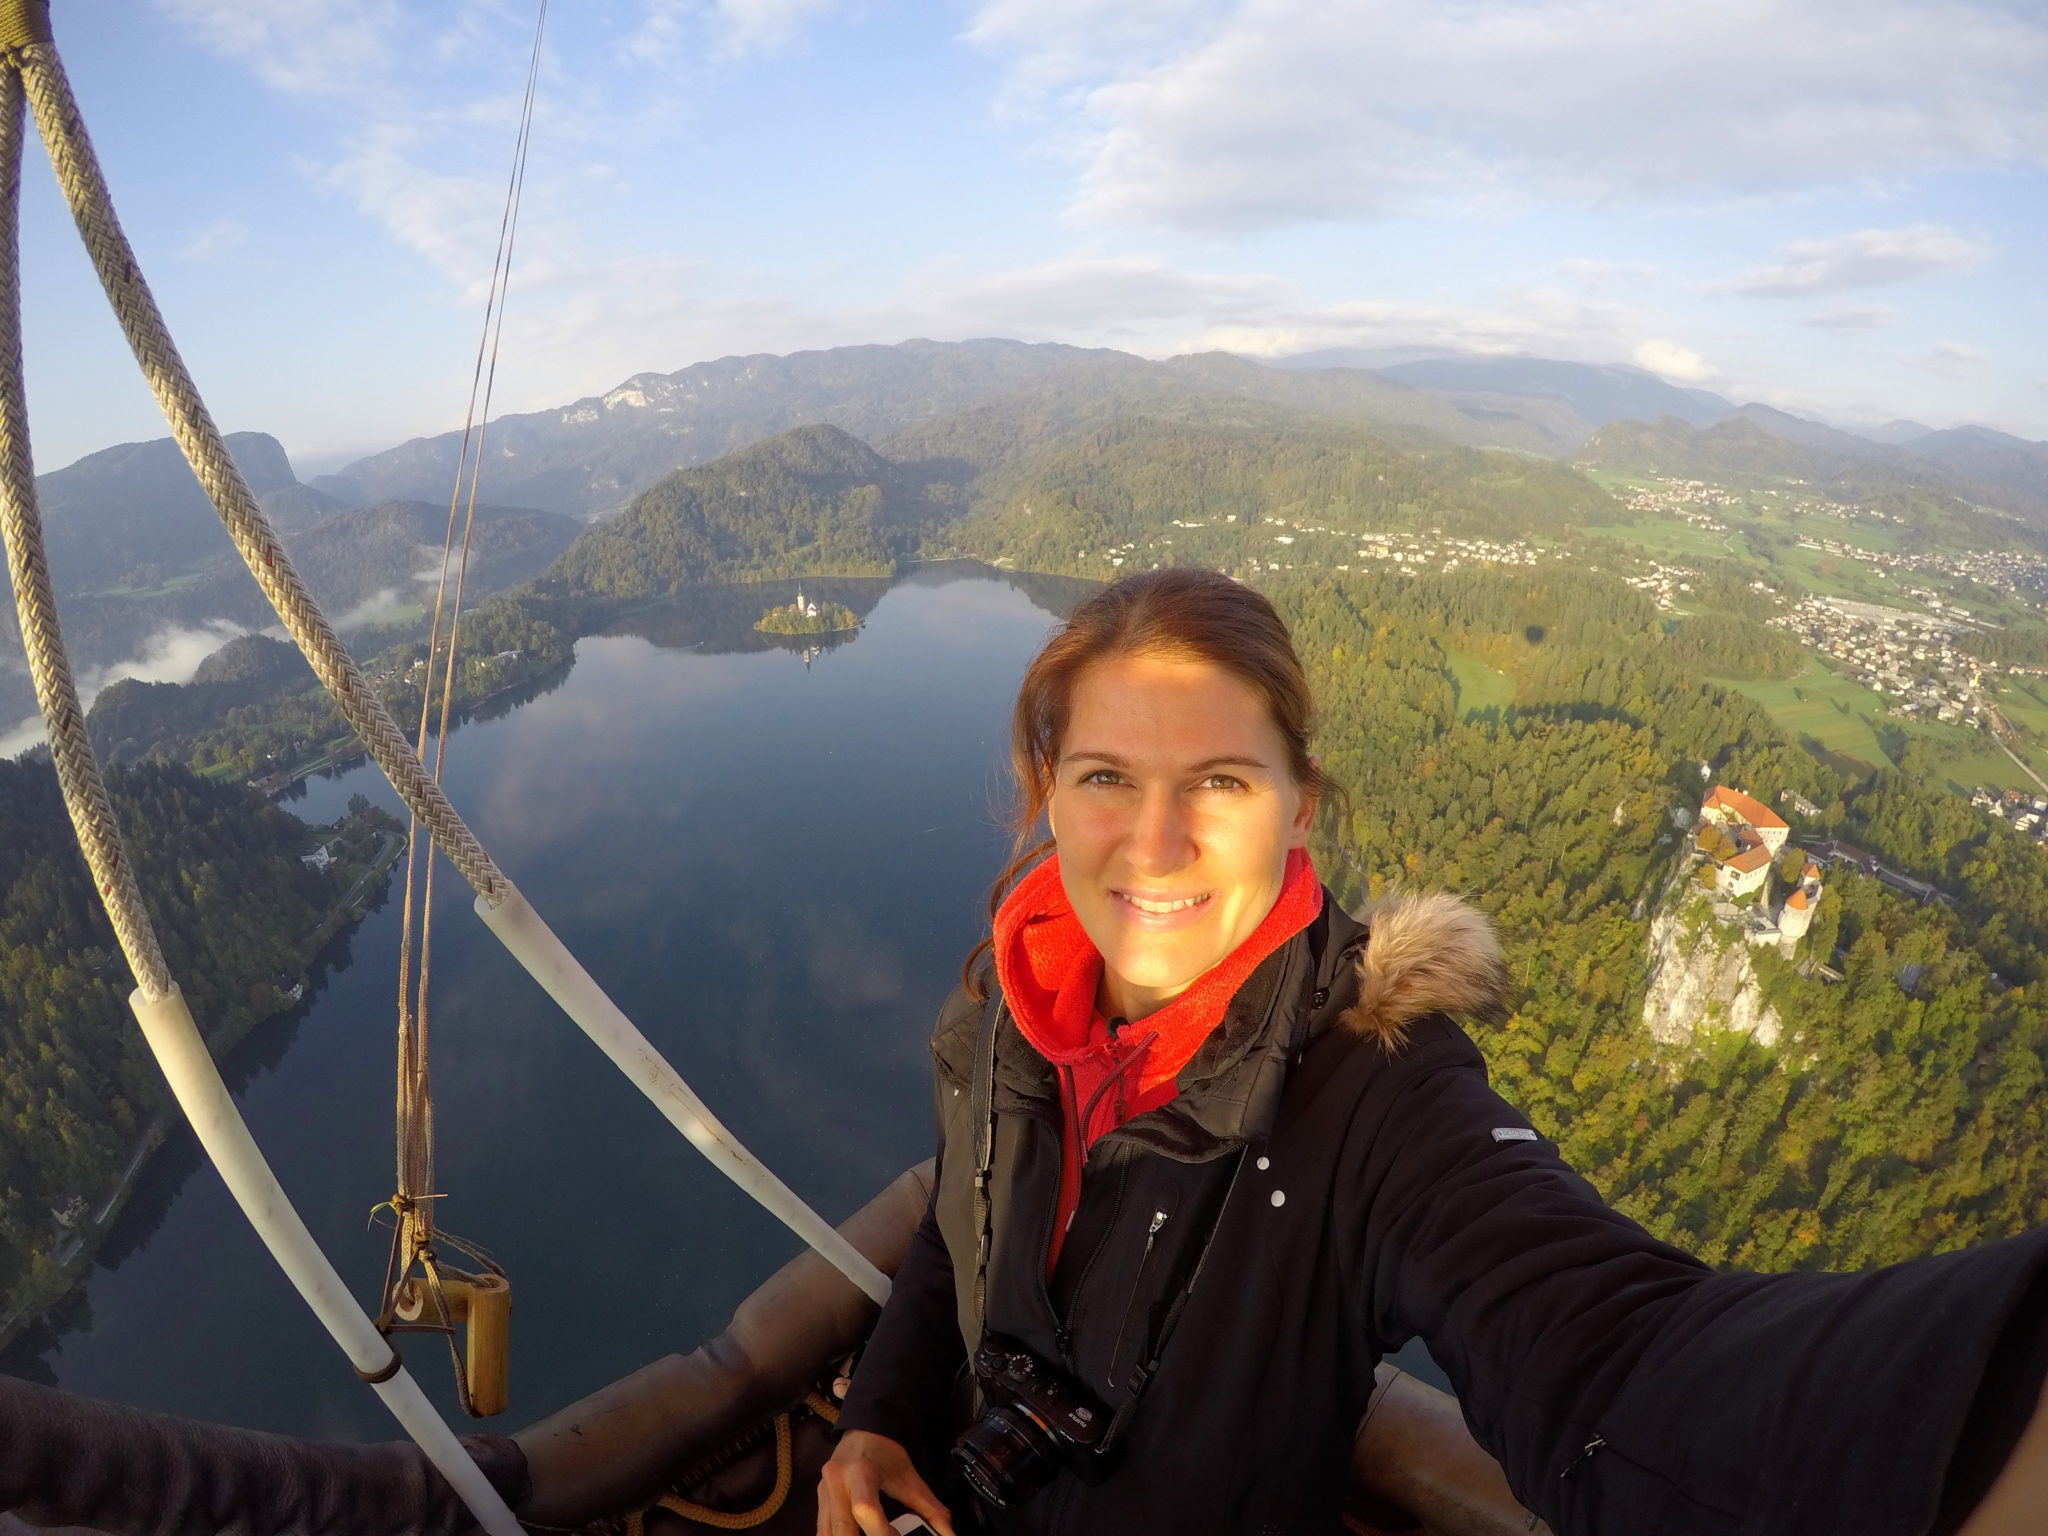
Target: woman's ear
<point>1305,813</point>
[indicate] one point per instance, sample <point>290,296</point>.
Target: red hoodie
<point>1049,972</point>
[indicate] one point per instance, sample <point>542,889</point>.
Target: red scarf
<point>1050,971</point>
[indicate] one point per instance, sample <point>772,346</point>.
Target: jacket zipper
<point>1065,1326</point>
<point>1116,1349</point>
<point>1060,1331</point>
<point>1584,1456</point>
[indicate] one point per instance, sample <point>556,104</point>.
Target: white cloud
<point>20,736</point>
<point>1268,112</point>
<point>300,47</point>
<point>1852,319</point>
<point>582,328</point>
<point>378,605</point>
<point>754,26</point>
<point>1057,42</point>
<point>170,655</point>
<point>1951,360</point>
<point>1538,322</point>
<point>1099,295</point>
<point>450,218</point>
<point>214,238</point>
<point>1673,361</point>
<point>1868,258</point>
<point>1598,275</point>
<point>677,32</point>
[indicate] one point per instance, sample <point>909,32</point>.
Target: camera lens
<point>1007,1457</point>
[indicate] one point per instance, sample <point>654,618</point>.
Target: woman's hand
<point>861,1470</point>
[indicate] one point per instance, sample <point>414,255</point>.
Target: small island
<point>808,618</point>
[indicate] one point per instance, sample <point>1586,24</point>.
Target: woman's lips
<point>1160,912</point>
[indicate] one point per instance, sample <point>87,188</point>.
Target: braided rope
<point>21,527</point>
<point>85,189</point>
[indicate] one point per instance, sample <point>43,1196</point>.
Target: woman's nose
<point>1159,839</point>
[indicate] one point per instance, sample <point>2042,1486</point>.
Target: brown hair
<point>1184,612</point>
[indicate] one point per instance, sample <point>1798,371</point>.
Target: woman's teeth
<point>1160,908</point>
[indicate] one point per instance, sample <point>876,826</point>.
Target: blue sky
<point>1836,206</point>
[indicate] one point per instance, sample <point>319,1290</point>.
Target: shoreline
<point>74,1253</point>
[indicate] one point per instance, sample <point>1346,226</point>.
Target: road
<point>387,850</point>
<point>2008,751</point>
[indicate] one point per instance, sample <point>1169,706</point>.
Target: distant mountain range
<point>131,514</point>
<point>136,548</point>
<point>138,553</point>
<point>593,456</point>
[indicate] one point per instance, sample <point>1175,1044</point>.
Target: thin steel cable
<point>415,1105</point>
<point>78,174</point>
<point>78,770</point>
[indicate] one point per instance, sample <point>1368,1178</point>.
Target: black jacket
<point>1364,1186</point>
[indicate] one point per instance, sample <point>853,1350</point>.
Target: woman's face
<point>1173,809</point>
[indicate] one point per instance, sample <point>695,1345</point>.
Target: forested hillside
<point>234,908</point>
<point>1043,494</point>
<point>255,709</point>
<point>1214,488</point>
<point>1887,1122</point>
<point>131,515</point>
<point>814,500</point>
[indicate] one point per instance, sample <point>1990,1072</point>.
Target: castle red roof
<point>1796,902</point>
<point>1750,860</point>
<point>1735,803</point>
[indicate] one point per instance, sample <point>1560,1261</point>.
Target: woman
<point>1210,1147</point>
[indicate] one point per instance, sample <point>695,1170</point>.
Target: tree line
<point>233,907</point>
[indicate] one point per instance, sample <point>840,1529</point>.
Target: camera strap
<point>984,1112</point>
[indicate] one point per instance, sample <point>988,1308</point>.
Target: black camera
<point>1036,1419</point>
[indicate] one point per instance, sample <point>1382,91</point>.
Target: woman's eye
<point>1222,781</point>
<point>1102,776</point>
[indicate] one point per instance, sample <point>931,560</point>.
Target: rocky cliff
<point>1700,977</point>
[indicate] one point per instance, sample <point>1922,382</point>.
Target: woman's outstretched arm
<point>1625,1387</point>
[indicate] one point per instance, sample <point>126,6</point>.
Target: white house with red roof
<point>1731,808</point>
<point>1741,836</point>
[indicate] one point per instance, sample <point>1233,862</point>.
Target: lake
<point>775,865</point>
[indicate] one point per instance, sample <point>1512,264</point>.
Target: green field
<point>1833,576</point>
<point>1479,686</point>
<point>1666,538</point>
<point>2025,702</point>
<point>1821,707</point>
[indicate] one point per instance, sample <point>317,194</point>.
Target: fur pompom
<point>1426,953</point>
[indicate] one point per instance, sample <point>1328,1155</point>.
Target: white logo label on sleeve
<point>1513,1133</point>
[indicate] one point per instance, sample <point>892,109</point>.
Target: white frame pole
<point>547,960</point>
<point>188,1066</point>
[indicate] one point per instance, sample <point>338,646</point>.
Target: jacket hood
<point>1426,952</point>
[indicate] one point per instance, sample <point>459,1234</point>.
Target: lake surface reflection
<point>774,865</point>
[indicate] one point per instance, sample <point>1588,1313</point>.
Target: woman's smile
<point>1162,911</point>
